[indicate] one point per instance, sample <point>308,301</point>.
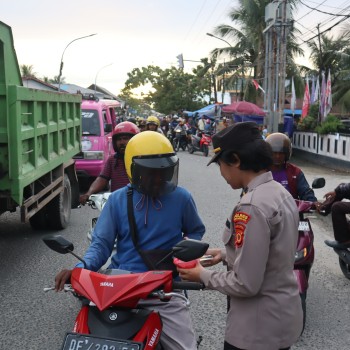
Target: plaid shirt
<point>115,171</point>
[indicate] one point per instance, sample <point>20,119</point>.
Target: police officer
<point>260,239</point>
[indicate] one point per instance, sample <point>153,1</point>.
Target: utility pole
<point>278,21</point>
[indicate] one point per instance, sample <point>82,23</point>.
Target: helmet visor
<point>155,175</point>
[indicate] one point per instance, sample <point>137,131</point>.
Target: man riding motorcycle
<point>287,174</point>
<point>114,169</point>
<point>164,214</point>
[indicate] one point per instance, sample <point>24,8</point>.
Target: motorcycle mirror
<point>319,182</point>
<point>189,249</point>
<point>59,244</point>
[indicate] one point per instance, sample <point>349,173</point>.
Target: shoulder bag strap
<point>131,218</point>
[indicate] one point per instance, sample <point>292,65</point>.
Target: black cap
<point>234,136</point>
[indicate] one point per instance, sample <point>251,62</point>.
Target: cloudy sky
<point>130,34</point>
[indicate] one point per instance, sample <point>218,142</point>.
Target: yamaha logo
<point>113,316</point>
<point>106,284</point>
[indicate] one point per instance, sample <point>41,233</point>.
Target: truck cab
<point>98,122</point>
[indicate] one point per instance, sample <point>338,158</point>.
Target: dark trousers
<point>340,223</point>
<point>227,346</point>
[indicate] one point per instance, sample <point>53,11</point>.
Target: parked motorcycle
<point>110,317</point>
<point>200,143</point>
<point>344,261</point>
<point>305,254</point>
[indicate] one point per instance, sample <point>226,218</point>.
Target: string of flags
<point>322,95</point>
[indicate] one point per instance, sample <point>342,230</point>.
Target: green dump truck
<point>40,133</point>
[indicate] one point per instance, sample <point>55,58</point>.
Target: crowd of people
<point>259,245</point>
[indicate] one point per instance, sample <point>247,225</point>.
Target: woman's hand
<point>217,258</point>
<point>192,275</point>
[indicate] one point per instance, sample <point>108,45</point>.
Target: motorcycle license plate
<point>303,226</point>
<point>74,341</point>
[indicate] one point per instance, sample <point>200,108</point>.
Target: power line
<point>333,7</point>
<point>327,13</point>
<point>196,19</point>
<point>311,11</point>
<point>326,30</point>
<point>323,24</point>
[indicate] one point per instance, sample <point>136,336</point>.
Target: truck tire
<point>59,209</point>
<point>39,220</point>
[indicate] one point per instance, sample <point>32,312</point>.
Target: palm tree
<point>334,54</point>
<point>27,71</point>
<point>247,53</point>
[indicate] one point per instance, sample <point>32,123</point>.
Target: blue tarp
<point>210,111</point>
<point>249,118</point>
<point>288,121</point>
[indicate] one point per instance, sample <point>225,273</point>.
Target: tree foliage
<point>27,71</point>
<point>171,89</point>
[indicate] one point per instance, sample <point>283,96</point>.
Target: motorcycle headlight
<point>98,155</point>
<point>300,254</point>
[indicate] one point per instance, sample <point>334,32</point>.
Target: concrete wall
<point>330,150</point>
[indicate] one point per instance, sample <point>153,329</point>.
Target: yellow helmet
<point>153,120</point>
<point>151,164</point>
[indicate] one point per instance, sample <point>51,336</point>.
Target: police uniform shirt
<point>260,243</point>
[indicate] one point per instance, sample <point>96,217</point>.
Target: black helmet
<point>280,143</point>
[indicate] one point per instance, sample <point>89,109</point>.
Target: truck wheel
<point>59,209</point>
<point>205,150</point>
<point>39,220</point>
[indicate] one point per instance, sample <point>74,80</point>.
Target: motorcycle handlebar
<point>184,285</point>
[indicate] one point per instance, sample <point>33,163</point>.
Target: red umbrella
<point>243,108</point>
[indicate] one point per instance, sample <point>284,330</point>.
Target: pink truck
<point>98,122</point>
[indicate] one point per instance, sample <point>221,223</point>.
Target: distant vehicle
<point>98,121</point>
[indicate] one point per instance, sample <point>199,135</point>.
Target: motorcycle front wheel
<point>176,145</point>
<point>205,150</point>
<point>345,268</point>
<point>190,148</point>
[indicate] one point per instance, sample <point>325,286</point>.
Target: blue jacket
<point>161,223</point>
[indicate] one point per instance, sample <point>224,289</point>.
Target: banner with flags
<point>328,96</point>
<point>322,98</point>
<point>306,101</point>
<point>313,88</point>
<point>293,99</point>
<point>257,86</point>
<point>316,94</point>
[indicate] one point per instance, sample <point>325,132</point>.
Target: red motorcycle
<point>200,143</point>
<point>305,253</point>
<point>110,317</point>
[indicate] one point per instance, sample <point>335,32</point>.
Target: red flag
<point>306,101</point>
<point>257,86</point>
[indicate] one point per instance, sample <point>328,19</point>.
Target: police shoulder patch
<point>241,216</point>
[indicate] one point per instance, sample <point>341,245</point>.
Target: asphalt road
<point>31,319</point>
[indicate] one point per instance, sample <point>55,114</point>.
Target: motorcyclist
<point>182,129</point>
<point>287,174</point>
<point>114,169</point>
<point>153,124</point>
<point>339,211</point>
<point>164,215</point>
